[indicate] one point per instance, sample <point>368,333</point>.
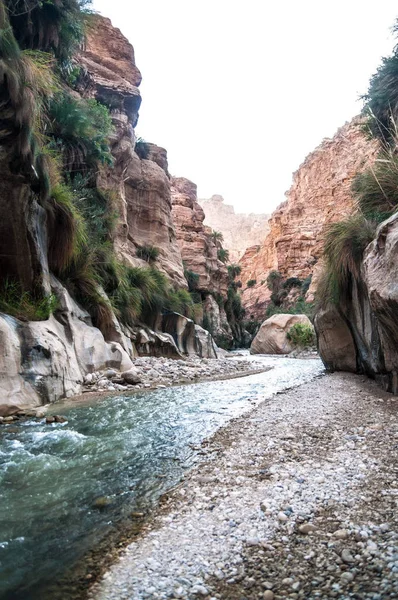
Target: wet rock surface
<point>296,500</point>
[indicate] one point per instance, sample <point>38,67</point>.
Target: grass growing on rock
<point>23,305</point>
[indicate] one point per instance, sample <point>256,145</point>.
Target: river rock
<point>60,419</point>
<point>132,376</point>
<point>272,335</point>
<point>102,502</point>
<point>6,410</point>
<point>307,528</point>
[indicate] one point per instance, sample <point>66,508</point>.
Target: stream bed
<point>64,486</point>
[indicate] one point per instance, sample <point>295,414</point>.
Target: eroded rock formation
<point>198,250</point>
<point>45,360</point>
<point>320,195</point>
<point>141,187</point>
<point>360,333</point>
<point>239,230</point>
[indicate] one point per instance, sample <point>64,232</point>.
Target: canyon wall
<point>239,230</point>
<point>43,361</point>
<point>198,250</point>
<point>359,333</point>
<point>141,187</point>
<point>320,195</point>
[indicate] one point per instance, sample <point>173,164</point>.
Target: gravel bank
<point>298,499</point>
<point>153,372</point>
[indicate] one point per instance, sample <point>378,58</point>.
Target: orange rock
<point>320,195</point>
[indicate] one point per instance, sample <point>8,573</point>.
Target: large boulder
<point>335,342</point>
<point>272,335</point>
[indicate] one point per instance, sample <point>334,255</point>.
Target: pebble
<point>347,557</point>
<point>282,517</point>
<point>307,528</point>
<point>341,534</point>
<point>234,532</point>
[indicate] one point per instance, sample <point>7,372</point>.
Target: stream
<point>64,486</point>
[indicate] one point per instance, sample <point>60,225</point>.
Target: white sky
<point>239,92</point>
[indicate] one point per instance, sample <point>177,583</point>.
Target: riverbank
<point>149,373</point>
<point>298,499</point>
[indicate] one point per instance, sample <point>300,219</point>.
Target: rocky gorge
<point>320,195</point>
<point>48,358</point>
<point>139,457</point>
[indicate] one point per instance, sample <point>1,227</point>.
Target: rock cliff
<point>42,361</point>
<point>141,187</point>
<point>320,194</point>
<point>360,332</point>
<point>198,250</point>
<point>239,230</point>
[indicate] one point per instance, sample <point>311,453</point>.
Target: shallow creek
<point>127,450</point>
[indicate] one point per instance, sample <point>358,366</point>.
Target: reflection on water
<point>128,449</point>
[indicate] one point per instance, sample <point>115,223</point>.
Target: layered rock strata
<point>320,195</point>
<point>43,361</point>
<point>239,230</point>
<point>360,332</point>
<point>198,250</point>
<point>140,187</point>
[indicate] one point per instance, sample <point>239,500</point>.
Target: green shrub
<point>223,255</point>
<point>80,131</point>
<point>251,283</point>
<point>381,100</point>
<point>376,189</point>
<point>301,307</point>
<point>142,148</point>
<point>234,271</point>
<point>233,305</point>
<point>274,281</point>
<point>218,298</point>
<point>148,253</point>
<point>56,27</point>
<point>345,243</point>
<point>192,279</point>
<point>217,237</point>
<point>207,324</point>
<point>23,305</point>
<point>292,282</point>
<point>301,335</point>
<point>65,227</point>
<point>252,326</point>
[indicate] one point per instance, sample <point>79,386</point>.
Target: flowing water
<point>128,450</point>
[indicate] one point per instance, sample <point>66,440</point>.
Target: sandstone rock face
<point>219,326</point>
<point>111,74</point>
<point>368,315</point>
<point>335,342</point>
<point>189,338</point>
<point>240,230</point>
<point>43,361</point>
<point>320,195</point>
<point>140,188</point>
<point>272,335</point>
<point>198,250</point>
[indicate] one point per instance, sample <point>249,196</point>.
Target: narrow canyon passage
<point>65,486</point>
<point>296,500</point>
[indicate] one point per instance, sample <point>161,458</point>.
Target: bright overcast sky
<point>239,92</point>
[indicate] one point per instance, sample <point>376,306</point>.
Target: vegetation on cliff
<point>58,138</point>
<point>375,190</point>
